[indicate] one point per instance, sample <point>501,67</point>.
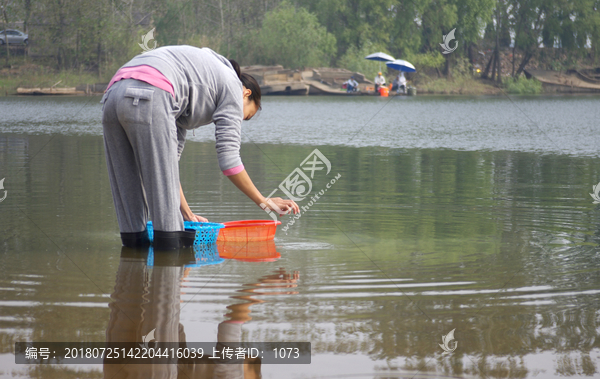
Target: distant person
<point>351,85</point>
<point>379,81</point>
<point>399,83</point>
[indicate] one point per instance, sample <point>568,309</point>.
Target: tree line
<point>101,35</point>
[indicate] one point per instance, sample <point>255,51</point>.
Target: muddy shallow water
<point>472,214</point>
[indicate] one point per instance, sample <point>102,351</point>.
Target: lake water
<point>448,213</point>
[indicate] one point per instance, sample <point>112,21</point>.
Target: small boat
<point>49,91</point>
<point>84,89</point>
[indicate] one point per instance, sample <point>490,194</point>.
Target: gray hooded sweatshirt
<point>207,89</point>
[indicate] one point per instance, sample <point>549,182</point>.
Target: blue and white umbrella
<point>401,65</point>
<point>381,57</point>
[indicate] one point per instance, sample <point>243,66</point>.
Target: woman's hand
<point>193,217</point>
<point>282,206</point>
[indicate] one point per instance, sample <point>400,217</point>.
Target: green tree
<point>473,16</point>
<point>356,23</point>
<point>439,17</point>
<point>294,38</point>
<point>354,60</point>
<point>563,26</point>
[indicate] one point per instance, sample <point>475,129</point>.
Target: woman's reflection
<point>145,300</point>
<point>148,298</point>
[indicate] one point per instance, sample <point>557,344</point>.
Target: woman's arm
<point>243,182</point>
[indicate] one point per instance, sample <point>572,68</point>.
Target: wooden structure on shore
<point>275,80</point>
<point>329,81</point>
<point>571,81</point>
<point>50,91</point>
<point>85,89</point>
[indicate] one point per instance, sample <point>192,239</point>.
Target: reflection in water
<point>240,313</point>
<point>254,251</point>
<point>203,255</point>
<point>147,298</point>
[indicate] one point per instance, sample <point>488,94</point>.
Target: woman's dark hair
<point>249,82</point>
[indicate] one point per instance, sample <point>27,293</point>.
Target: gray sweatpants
<point>140,139</point>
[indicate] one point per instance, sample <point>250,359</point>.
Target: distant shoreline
<point>73,83</point>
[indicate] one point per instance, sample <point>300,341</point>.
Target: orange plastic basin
<point>248,231</point>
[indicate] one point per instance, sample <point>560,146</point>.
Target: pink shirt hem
<point>146,74</point>
<point>233,171</point>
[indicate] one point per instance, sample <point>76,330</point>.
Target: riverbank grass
<point>523,86</point>
<point>37,76</point>
<point>459,85</point>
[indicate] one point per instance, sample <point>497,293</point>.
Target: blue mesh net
<point>206,232</point>
<point>204,255</point>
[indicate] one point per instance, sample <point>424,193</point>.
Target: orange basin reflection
<point>254,251</point>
